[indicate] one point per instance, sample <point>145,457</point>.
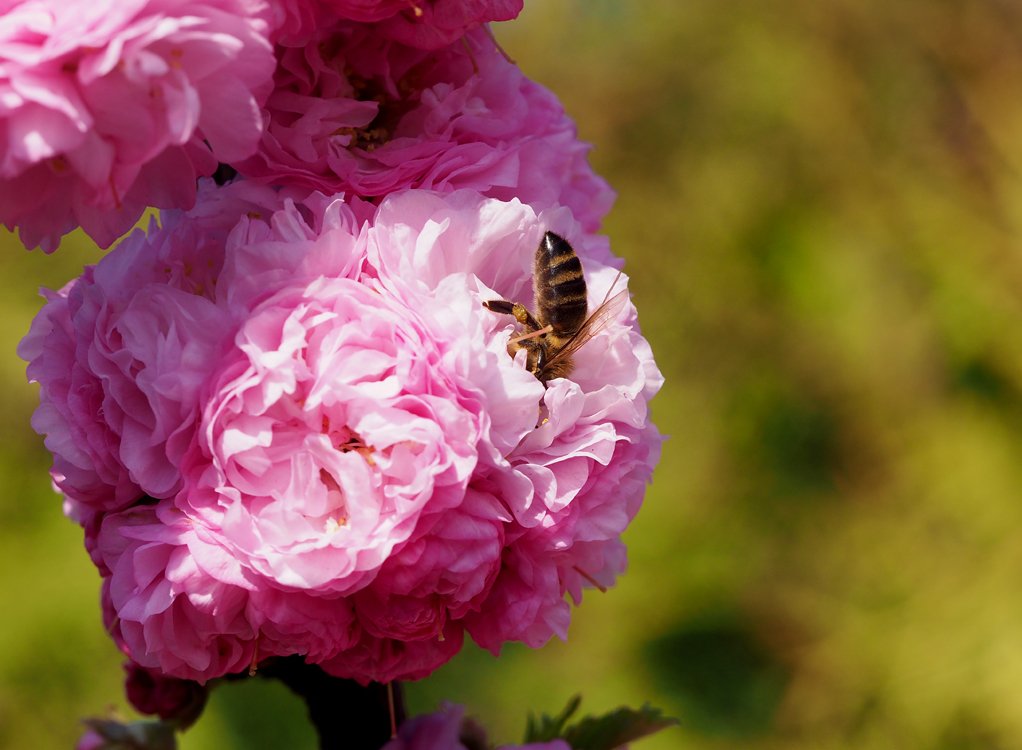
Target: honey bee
<point>560,327</point>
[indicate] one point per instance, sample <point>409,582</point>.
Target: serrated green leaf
<point>547,728</point>
<point>614,729</point>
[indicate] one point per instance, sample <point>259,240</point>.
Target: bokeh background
<point>821,211</point>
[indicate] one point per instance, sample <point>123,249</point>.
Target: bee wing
<point>608,310</point>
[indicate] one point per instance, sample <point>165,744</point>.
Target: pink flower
<point>346,464</point>
<point>168,613</point>
<point>434,24</point>
<point>426,24</point>
<point>108,734</point>
<point>109,107</point>
<point>91,740</point>
<point>169,698</point>
<point>574,481</point>
<point>122,352</point>
<point>331,393</point>
<point>333,466</point>
<point>437,731</point>
<point>448,729</point>
<point>352,114</point>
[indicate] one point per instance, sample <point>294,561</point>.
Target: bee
<point>559,327</point>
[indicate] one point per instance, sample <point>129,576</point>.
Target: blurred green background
<point>821,211</point>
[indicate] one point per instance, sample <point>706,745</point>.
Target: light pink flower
<point>575,477</point>
<point>352,114</point>
<point>332,428</point>
<point>122,352</point>
<point>109,107</point>
<point>352,468</point>
<point>333,467</point>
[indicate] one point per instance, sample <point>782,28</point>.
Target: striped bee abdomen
<point>561,299</point>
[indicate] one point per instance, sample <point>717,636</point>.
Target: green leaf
<point>607,732</point>
<point>548,728</point>
<point>616,728</point>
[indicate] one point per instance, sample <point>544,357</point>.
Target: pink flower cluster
<point>303,434</point>
<point>352,114</point>
<point>282,414</point>
<point>108,107</point>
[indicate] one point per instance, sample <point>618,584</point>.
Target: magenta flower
<point>91,740</point>
<point>180,701</point>
<point>426,24</point>
<point>109,107</point>
<point>435,23</point>
<point>448,729</point>
<point>351,113</point>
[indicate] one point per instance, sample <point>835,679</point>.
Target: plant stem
<point>346,715</point>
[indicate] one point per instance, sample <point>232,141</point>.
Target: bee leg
<point>517,309</point>
<point>523,316</point>
<point>501,306</point>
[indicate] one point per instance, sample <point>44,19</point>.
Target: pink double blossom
<point>574,477</point>
<point>356,114</point>
<point>347,464</point>
<point>122,352</point>
<point>108,107</point>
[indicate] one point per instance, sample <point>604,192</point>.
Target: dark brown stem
<point>346,715</point>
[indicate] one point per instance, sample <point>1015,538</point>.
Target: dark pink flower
<point>426,24</point>
<point>107,108</point>
<point>373,659</point>
<point>152,692</point>
<point>352,114</point>
<point>448,729</point>
<point>432,24</point>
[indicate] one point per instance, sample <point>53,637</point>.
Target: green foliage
<point>607,732</point>
<point>724,683</point>
<point>546,728</point>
